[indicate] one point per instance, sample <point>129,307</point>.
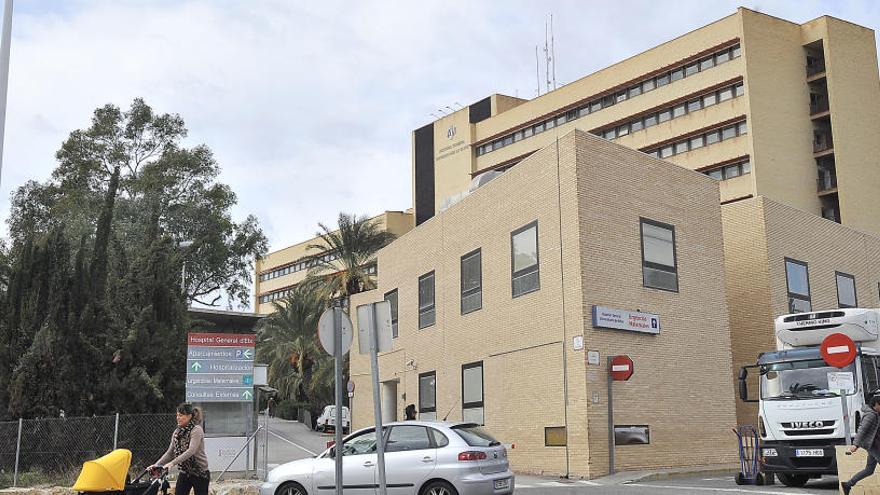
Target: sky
<point>309,105</point>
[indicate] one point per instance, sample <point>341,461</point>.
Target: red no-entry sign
<point>621,368</point>
<point>838,350</point>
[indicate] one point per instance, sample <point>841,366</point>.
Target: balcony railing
<point>818,107</point>
<point>832,214</point>
<point>822,142</point>
<point>814,69</point>
<point>826,182</point>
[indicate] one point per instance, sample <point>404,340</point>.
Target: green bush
<point>287,409</point>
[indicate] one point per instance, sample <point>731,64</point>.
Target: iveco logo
<point>807,424</point>
<point>450,133</point>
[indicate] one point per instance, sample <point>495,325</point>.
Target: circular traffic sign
<point>350,387</point>
<point>621,368</point>
<point>838,350</point>
<point>326,332</point>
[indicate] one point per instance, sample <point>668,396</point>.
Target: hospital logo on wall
<point>450,133</point>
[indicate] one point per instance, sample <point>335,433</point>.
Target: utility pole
<point>5,42</point>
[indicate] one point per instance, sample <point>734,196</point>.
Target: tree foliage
<point>161,181</point>
<point>353,246</point>
<point>92,318</point>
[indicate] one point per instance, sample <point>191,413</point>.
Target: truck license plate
<point>809,453</point>
<point>501,484</point>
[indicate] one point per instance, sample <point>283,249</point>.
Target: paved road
<point>290,440</point>
<point>682,486</point>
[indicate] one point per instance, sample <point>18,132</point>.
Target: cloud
<point>309,106</point>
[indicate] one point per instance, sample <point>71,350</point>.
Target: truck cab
<point>801,398</point>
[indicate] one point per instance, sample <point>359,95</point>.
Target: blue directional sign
<point>220,368</point>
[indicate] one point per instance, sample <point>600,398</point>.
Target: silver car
<point>421,458</point>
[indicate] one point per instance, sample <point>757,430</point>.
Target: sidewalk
<point>626,477</point>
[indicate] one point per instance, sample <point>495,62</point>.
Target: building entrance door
<point>389,401</point>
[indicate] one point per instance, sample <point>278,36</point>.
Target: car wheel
<point>291,488</point>
<point>438,487</point>
<point>795,480</point>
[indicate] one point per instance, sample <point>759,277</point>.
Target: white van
<point>327,419</point>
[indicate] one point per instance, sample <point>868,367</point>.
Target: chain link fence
<point>52,450</point>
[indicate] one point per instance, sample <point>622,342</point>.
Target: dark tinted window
<point>439,438</point>
<point>405,438</point>
<point>475,435</point>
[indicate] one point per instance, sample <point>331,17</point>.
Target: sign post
<point>840,351</point>
<point>335,335</point>
<point>374,336</point>
<point>620,368</point>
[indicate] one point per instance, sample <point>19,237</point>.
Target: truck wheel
<point>794,480</point>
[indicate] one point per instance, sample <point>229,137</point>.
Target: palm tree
<point>346,255</point>
<point>286,340</point>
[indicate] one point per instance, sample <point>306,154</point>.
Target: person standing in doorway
<point>271,407</point>
<point>187,451</point>
<point>410,412</point>
<point>867,438</point>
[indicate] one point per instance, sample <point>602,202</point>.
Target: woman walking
<point>868,438</point>
<point>187,451</point>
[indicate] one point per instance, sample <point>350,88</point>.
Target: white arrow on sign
<point>247,353</point>
<point>247,394</point>
<point>196,366</point>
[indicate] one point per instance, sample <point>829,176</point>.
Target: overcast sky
<point>309,105</point>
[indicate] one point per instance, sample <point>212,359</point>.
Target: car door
<point>410,459</point>
<point>358,467</point>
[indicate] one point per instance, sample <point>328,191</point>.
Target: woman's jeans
<point>185,482</point>
<point>873,458</point>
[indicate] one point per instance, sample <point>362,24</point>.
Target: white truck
<point>800,409</point>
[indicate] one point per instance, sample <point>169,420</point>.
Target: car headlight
<point>769,452</point>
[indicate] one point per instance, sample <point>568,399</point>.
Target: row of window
<point>705,139</point>
<point>281,294</point>
<point>472,398</point>
<point>639,87</point>
<point>730,171</point>
<point>302,264</point>
<point>673,112</point>
<point>797,278</point>
<point>659,271</point>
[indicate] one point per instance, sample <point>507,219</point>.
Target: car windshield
<point>800,380</point>
<point>475,435</point>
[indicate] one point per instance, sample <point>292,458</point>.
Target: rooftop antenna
<point>537,74</point>
<point>547,55</point>
<point>453,110</point>
<point>552,51</point>
<point>460,106</point>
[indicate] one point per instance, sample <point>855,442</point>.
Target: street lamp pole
<point>5,42</point>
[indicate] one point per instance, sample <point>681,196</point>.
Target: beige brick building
<point>766,106</point>
<point>778,260</point>
<point>279,271</point>
<point>510,360</point>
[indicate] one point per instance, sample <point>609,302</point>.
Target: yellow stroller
<point>109,475</point>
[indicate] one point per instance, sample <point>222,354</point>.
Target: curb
<point>684,474</point>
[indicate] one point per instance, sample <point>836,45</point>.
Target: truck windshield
<point>798,380</point>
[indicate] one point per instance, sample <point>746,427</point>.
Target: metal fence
<point>52,450</point>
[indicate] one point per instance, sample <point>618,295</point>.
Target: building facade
<point>497,318</point>
<point>766,106</point>
<point>781,260</point>
<point>279,271</point>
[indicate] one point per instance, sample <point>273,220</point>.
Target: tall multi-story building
<point>766,106</point>
<point>279,271</point>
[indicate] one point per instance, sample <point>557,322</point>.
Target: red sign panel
<point>621,368</point>
<point>838,350</point>
<point>222,339</point>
